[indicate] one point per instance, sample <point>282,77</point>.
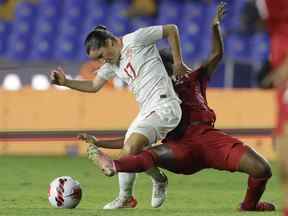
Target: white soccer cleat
<point>118,203</point>
<point>159,193</point>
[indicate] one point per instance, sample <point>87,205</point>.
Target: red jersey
<point>192,91</point>
<point>277,22</point>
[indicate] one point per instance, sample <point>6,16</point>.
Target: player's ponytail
<point>100,27</point>
<point>97,38</point>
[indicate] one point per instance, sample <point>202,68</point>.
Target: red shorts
<point>202,147</point>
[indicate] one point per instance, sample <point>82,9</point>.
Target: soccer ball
<point>64,192</point>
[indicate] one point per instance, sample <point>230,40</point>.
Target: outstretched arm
<point>58,77</point>
<point>171,33</point>
<point>217,42</point>
<point>109,143</point>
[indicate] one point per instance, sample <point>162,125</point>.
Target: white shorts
<point>156,123</point>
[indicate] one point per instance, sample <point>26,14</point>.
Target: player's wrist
<point>65,82</point>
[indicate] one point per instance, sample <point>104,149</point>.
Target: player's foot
<point>129,202</point>
<point>102,160</point>
<point>159,192</point>
<point>261,206</point>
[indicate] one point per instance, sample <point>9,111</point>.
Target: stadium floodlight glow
<point>40,82</point>
<point>12,82</point>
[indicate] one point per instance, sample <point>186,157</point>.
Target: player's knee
<point>262,169</point>
<point>132,149</point>
<point>256,165</point>
<point>135,143</point>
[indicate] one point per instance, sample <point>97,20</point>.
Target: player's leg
<point>159,155</point>
<point>259,172</point>
<point>146,130</point>
<point>224,152</point>
<point>155,126</point>
<point>254,164</point>
<point>162,156</point>
<point>136,143</point>
<point>244,159</point>
<point>125,198</point>
<point>126,180</point>
<point>133,145</point>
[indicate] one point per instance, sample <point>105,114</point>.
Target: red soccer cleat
<point>261,206</point>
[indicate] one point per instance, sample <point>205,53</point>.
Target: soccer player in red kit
<point>195,144</point>
<point>275,13</point>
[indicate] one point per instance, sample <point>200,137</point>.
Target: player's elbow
<point>173,27</point>
<point>169,29</point>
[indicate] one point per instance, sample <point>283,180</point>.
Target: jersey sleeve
<point>148,35</point>
<point>106,72</point>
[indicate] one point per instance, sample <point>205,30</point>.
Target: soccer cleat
<point>102,160</point>
<point>261,206</point>
<point>159,192</point>
<point>129,202</point>
<point>265,206</point>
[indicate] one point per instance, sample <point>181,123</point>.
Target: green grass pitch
<point>24,184</point>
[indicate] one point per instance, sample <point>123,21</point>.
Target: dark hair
<point>97,38</point>
<point>167,60</point>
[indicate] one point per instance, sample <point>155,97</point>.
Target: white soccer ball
<point>64,192</point>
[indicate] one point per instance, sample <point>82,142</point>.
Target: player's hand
<point>220,12</point>
<point>58,76</point>
<point>181,70</point>
<point>87,138</point>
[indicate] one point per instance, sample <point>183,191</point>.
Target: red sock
<point>256,187</point>
<point>135,163</point>
<point>285,212</point>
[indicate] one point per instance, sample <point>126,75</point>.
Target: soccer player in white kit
<point>135,59</point>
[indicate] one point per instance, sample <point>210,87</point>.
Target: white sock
<point>126,183</point>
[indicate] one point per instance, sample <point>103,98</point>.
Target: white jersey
<point>142,69</point>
